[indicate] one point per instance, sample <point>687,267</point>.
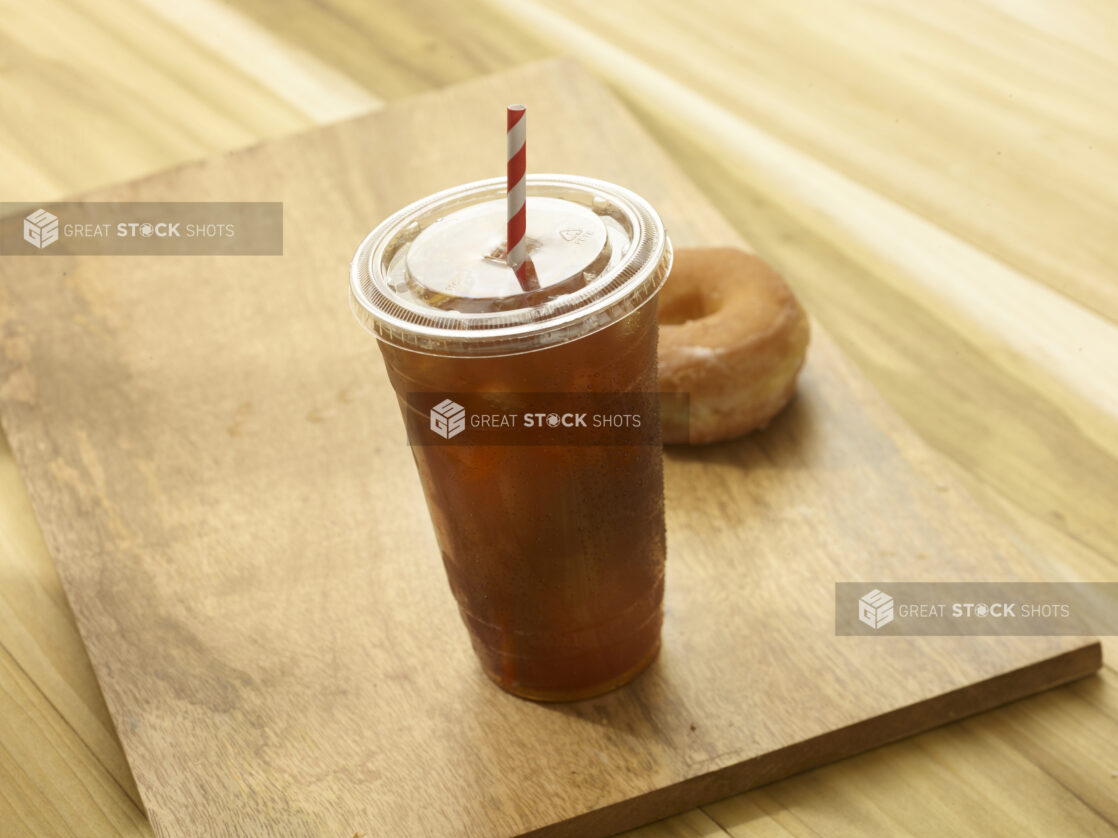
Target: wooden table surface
<point>939,182</point>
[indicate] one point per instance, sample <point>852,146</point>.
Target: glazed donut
<point>732,336</point>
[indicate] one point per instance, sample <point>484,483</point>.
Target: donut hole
<point>684,308</point>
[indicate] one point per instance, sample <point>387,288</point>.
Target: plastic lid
<point>432,278</point>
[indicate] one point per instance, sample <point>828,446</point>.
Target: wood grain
<point>129,93</point>
<point>955,330</point>
<point>214,453</point>
<point>39,751</point>
<point>938,125</point>
<point>1004,426</point>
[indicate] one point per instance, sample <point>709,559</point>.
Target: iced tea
<point>554,553</point>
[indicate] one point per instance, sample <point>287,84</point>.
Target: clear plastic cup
<point>554,553</point>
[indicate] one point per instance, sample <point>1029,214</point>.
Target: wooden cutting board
<point>219,468</point>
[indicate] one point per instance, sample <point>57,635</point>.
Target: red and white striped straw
<point>517,195</point>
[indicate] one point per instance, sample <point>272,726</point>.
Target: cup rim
<point>621,290</point>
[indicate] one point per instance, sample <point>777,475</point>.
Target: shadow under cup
<point>554,552</point>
